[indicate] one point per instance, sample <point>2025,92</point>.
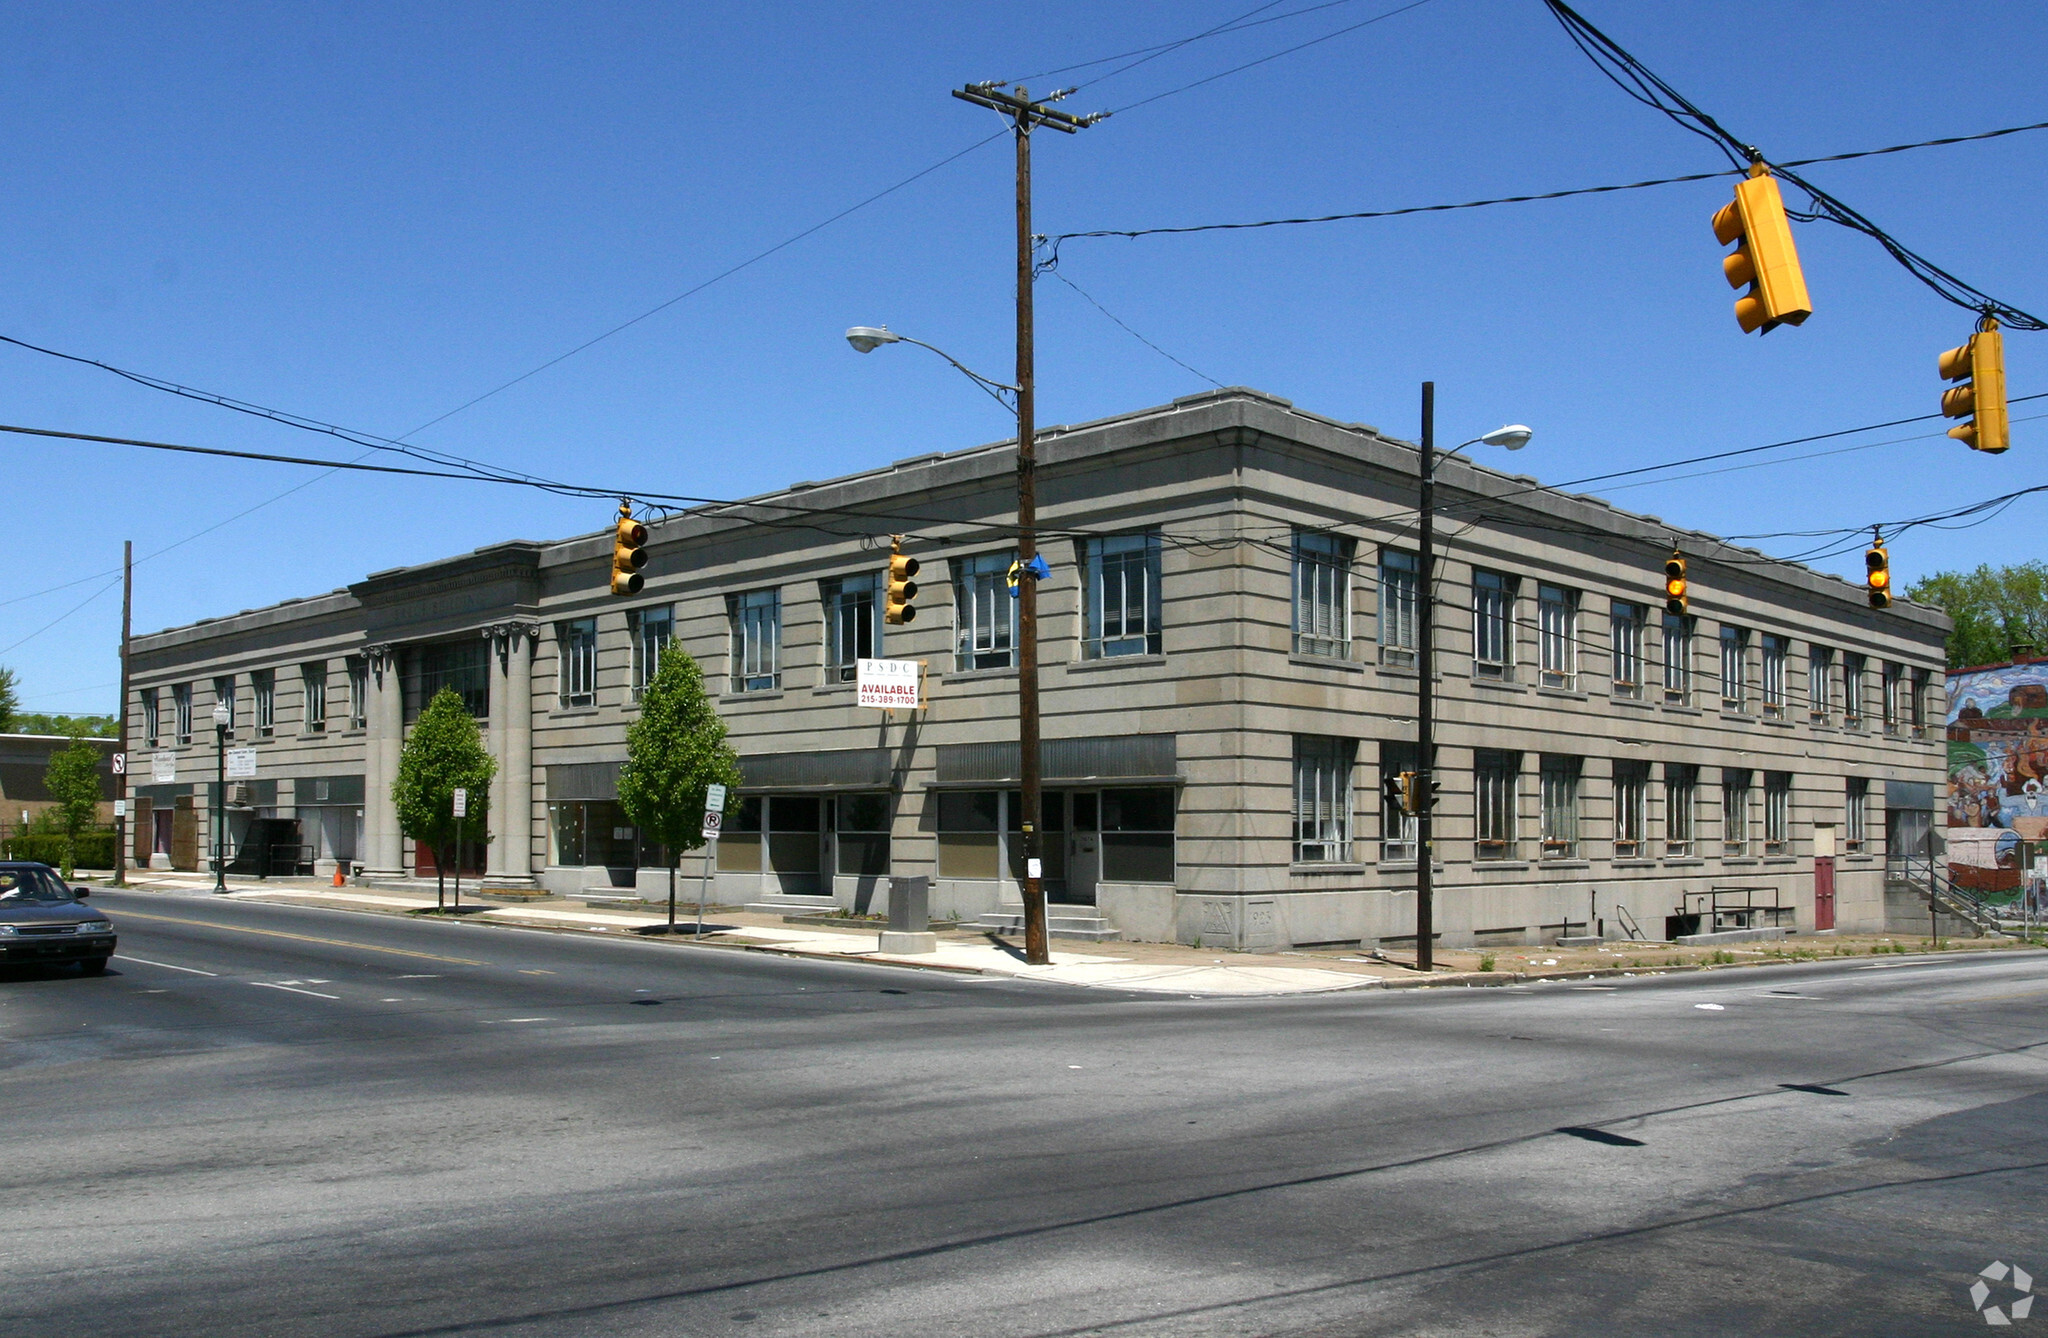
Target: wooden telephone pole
<point>1026,116</point>
<point>122,824</point>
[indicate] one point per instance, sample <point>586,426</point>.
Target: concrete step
<point>792,905</point>
<point>1061,921</point>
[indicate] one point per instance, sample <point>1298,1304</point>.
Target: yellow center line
<point>303,938</point>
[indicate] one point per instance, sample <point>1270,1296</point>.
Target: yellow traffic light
<point>896,605</point>
<point>1980,366</point>
<point>1675,600</point>
<point>629,552</point>
<point>1878,565</point>
<point>1764,260</point>
<point>1411,796</point>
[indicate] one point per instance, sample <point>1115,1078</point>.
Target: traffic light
<point>1980,366</point>
<point>1764,260</point>
<point>629,552</point>
<point>1675,600</point>
<point>896,605</point>
<point>1878,564</point>
<point>1395,793</point>
<point>1411,793</point>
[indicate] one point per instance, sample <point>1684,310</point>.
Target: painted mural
<point>1998,782</point>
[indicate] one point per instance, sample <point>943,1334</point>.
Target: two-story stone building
<point>1228,645</point>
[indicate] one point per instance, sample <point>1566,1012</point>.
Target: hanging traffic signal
<point>1411,793</point>
<point>1675,600</point>
<point>1980,366</point>
<point>896,605</point>
<point>1878,564</point>
<point>1395,793</point>
<point>1764,260</point>
<point>629,552</point>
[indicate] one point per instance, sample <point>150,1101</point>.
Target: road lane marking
<point>524,972</point>
<point>292,989</point>
<point>124,957</point>
<point>487,1021</point>
<point>303,938</point>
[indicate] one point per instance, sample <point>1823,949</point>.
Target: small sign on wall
<point>163,768</point>
<point>891,685</point>
<point>241,764</point>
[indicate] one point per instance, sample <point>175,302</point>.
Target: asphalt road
<point>281,1121</point>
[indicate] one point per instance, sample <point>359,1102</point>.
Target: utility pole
<point>1025,116</point>
<point>1425,694</point>
<point>121,780</point>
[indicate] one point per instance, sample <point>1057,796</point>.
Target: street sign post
<point>714,822</point>
<point>461,807</point>
<point>120,761</point>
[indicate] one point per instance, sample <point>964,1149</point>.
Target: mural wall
<point>1998,782</point>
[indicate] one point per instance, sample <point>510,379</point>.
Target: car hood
<point>46,912</point>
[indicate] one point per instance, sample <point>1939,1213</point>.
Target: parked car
<point>42,920</point>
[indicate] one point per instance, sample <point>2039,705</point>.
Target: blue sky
<point>372,214</point>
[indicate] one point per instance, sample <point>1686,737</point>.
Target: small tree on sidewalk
<point>674,753</point>
<point>73,779</point>
<point>443,753</point>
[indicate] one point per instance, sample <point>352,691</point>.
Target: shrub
<point>95,849</point>
<point>1486,961</point>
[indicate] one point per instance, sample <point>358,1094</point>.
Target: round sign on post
<point>120,764</point>
<point>713,820</point>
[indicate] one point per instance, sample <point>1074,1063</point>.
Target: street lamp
<point>868,338</point>
<point>1513,437</point>
<point>223,719</point>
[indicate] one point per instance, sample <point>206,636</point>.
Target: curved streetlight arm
<point>1000,391</point>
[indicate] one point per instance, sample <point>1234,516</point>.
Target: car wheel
<point>93,966</point>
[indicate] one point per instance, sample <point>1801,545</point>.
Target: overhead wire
<point>1244,22</point>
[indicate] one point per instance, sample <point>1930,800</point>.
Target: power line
<point>1239,24</point>
<point>1639,82</point>
<point>1055,240</point>
<point>1128,330</point>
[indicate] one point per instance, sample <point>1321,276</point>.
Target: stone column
<point>384,851</point>
<point>511,854</point>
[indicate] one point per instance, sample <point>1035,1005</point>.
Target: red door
<point>1824,892</point>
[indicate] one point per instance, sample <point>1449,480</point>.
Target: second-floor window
<point>1820,683</point>
<point>1774,675</point>
<point>1122,595</point>
<point>314,677</point>
<point>1894,690</point>
<point>1322,800</point>
<point>1678,659</point>
<point>1398,587</point>
<point>181,711</point>
<point>263,687</point>
<point>576,642</point>
<point>224,694</point>
<point>150,731</point>
<point>1625,640</point>
<point>1493,624</point>
<point>1856,833</point>
<point>1322,594</point>
<point>1853,689</point>
<point>1493,784</point>
<point>1917,703</point>
<point>358,692</point>
<point>984,613</point>
<point>1557,635</point>
<point>1681,800</point>
<point>1734,668</point>
<point>652,629</point>
<point>756,641</point>
<point>1631,809</point>
<point>853,625</point>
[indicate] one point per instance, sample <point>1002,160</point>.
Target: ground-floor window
<point>594,832</point>
<point>1777,812</point>
<point>1560,807</point>
<point>1631,808</point>
<point>862,826</point>
<point>1397,828</point>
<point>1681,797</point>
<point>1493,783</point>
<point>981,831</point>
<point>1734,811</point>
<point>1322,799</point>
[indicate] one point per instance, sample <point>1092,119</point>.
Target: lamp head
<point>868,338</point>
<point>220,714</point>
<point>1513,437</point>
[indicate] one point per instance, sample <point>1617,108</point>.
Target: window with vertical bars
<point>1322,799</point>
<point>576,641</point>
<point>1397,829</point>
<point>1322,594</point>
<point>1681,800</point>
<point>181,711</point>
<point>1398,587</point>
<point>1560,777</point>
<point>151,733</point>
<point>1734,812</point>
<point>853,625</point>
<point>1773,675</point>
<point>1734,668</point>
<point>986,616</point>
<point>1853,688</point>
<point>1917,704</point>
<point>1557,635</point>
<point>313,678</point>
<point>1678,658</point>
<point>1493,624</point>
<point>756,640</point>
<point>1820,682</point>
<point>263,691</point>
<point>358,692</point>
<point>1856,833</point>
<point>1631,809</point>
<point>1777,812</point>
<point>1493,787</point>
<point>1122,596</point>
<point>1625,642</point>
<point>652,629</point>
<point>1894,691</point>
<point>224,694</point>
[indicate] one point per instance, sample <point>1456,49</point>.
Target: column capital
<point>505,636</point>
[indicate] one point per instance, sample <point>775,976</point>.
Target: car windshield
<point>41,885</point>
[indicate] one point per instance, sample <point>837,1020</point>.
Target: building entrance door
<point>1823,878</point>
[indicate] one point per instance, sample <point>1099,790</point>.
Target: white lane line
<point>487,1021</point>
<point>292,989</point>
<point>124,957</point>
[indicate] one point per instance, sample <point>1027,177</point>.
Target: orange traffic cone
<point>338,881</point>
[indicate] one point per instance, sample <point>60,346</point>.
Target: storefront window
<point>863,831</point>
<point>1137,835</point>
<point>967,833</point>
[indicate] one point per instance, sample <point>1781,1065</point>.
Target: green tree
<point>10,700</point>
<point>1993,609</point>
<point>675,751</point>
<point>73,779</point>
<point>444,753</point>
<point>70,726</point>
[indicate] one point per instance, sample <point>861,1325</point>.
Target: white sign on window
<point>163,767</point>
<point>241,764</point>
<point>889,684</point>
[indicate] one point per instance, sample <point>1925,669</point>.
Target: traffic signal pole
<point>1425,692</point>
<point>121,824</point>
<point>1026,115</point>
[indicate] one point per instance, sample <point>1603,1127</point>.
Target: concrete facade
<point>1226,673</point>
